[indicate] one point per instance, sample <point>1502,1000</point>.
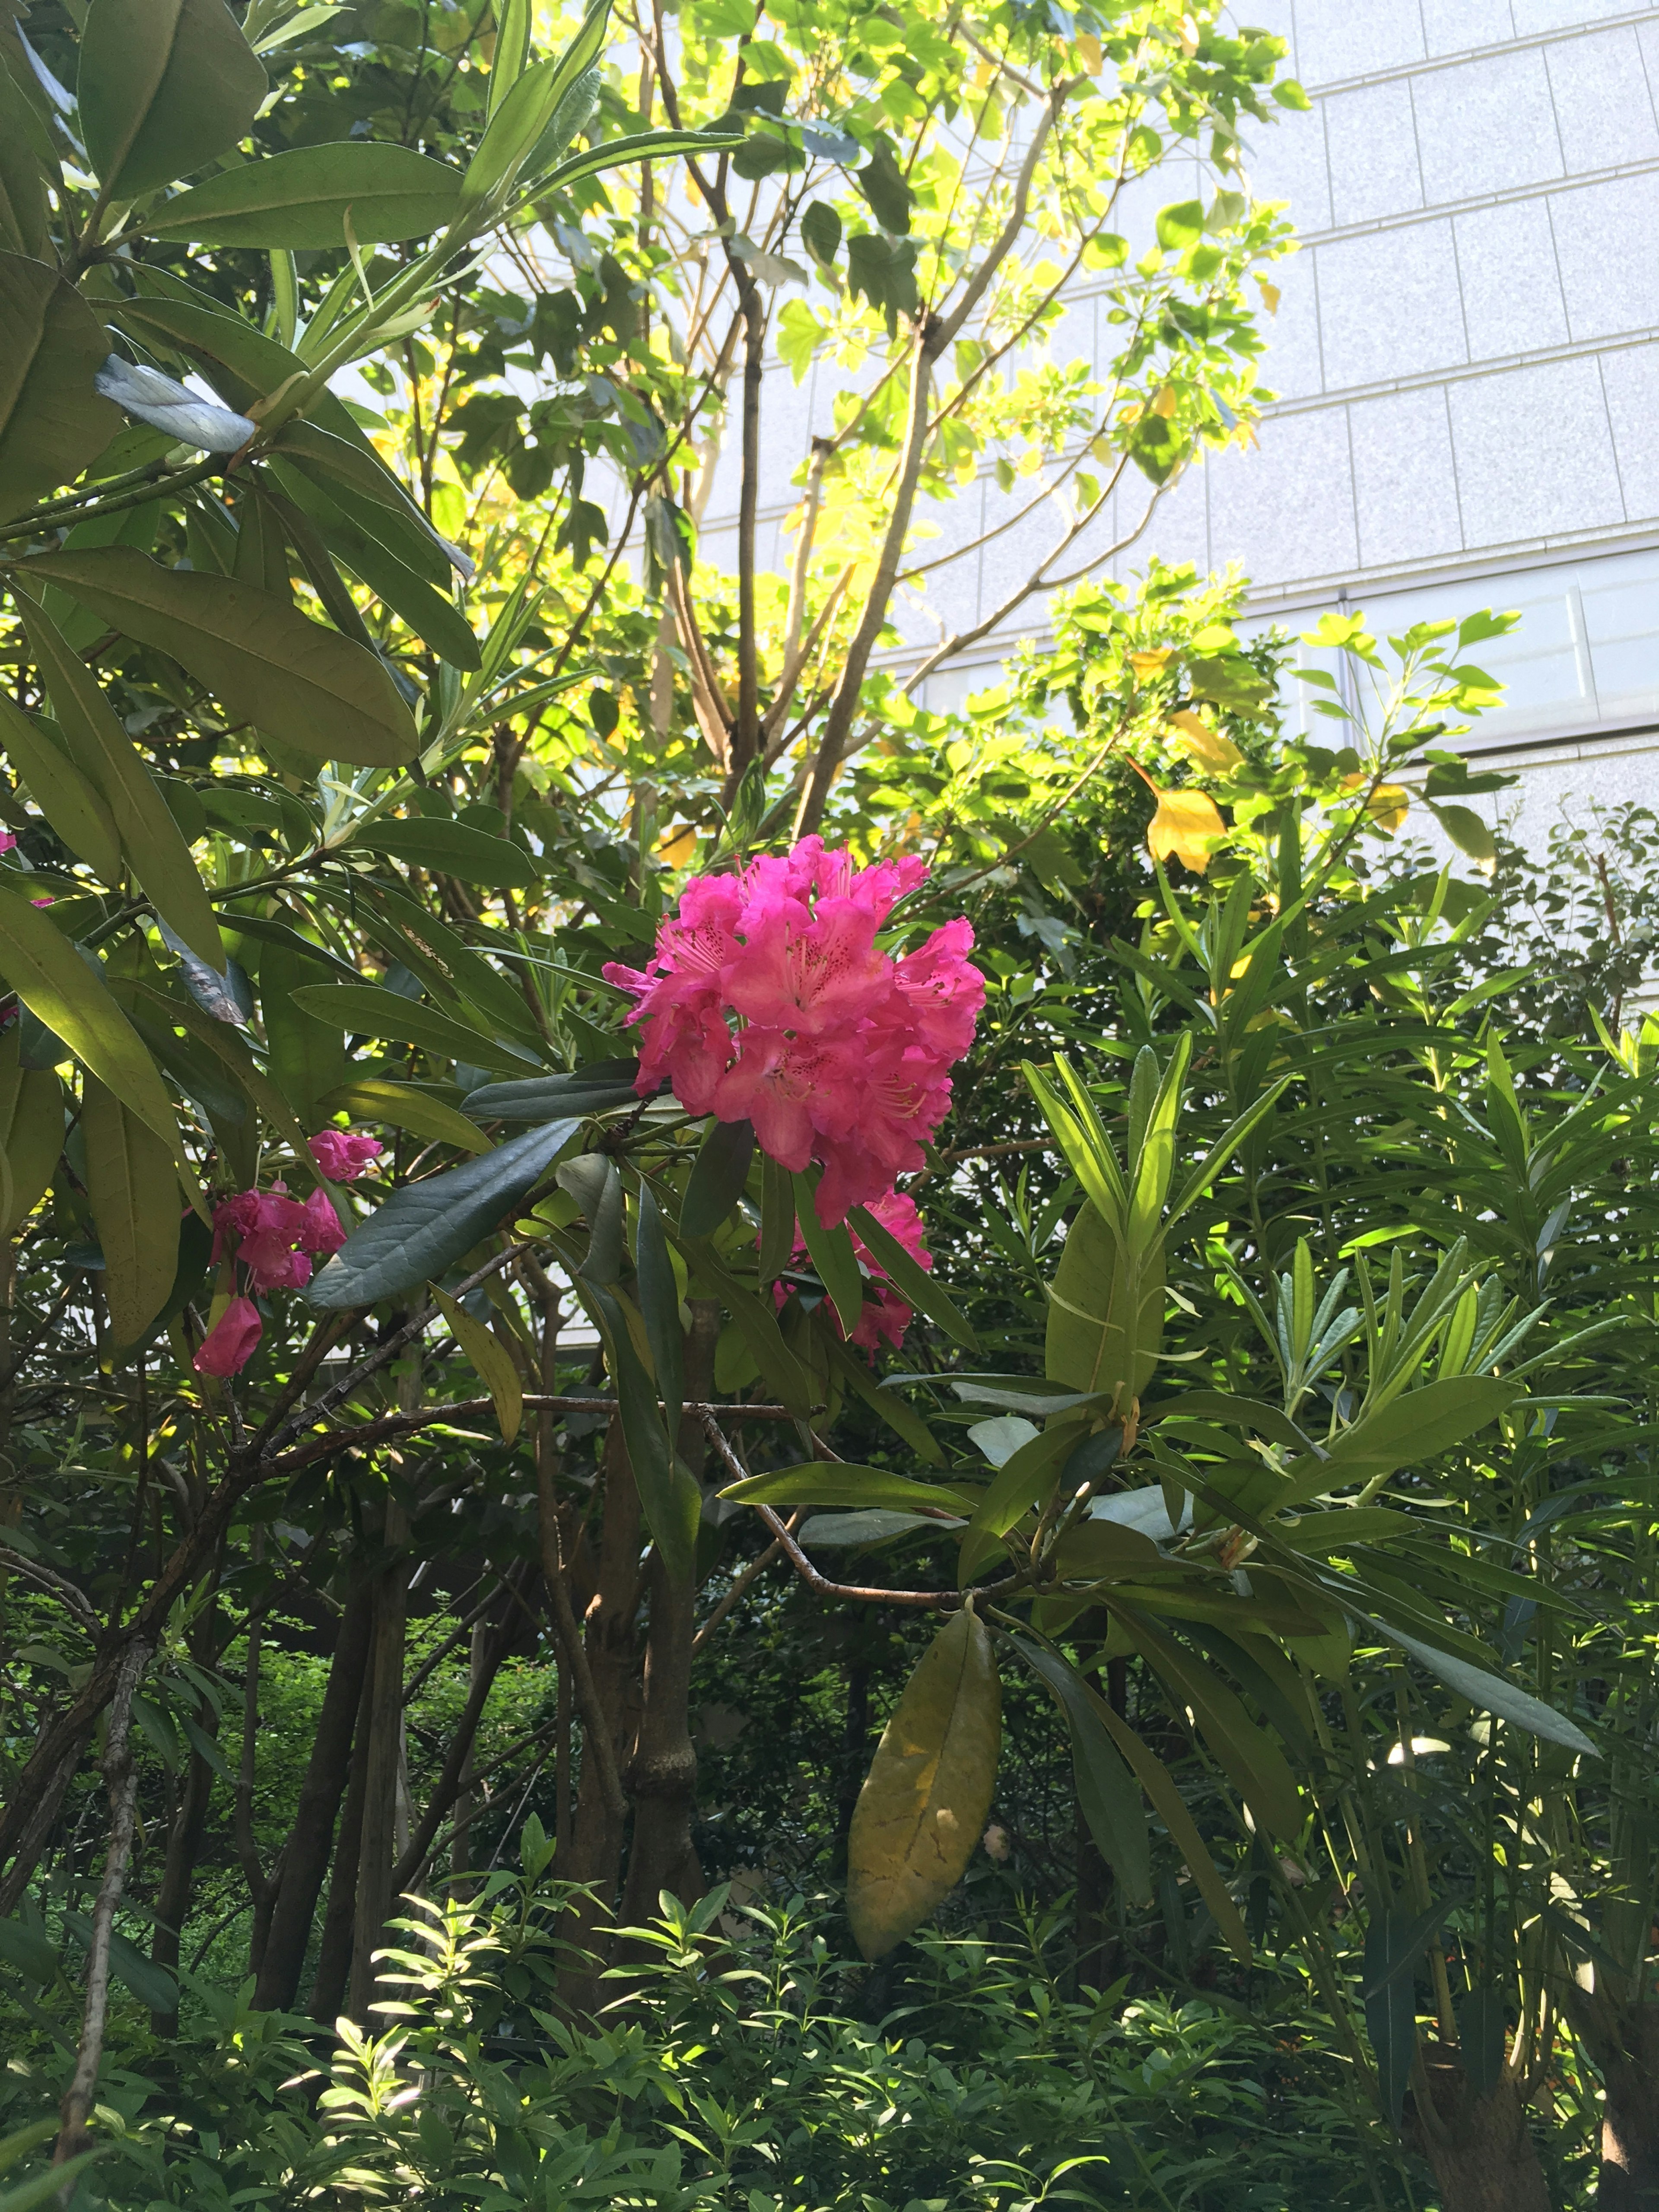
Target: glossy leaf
<point>1393,1946</point>
<point>51,421</point>
<point>834,1531</point>
<point>1493,1693</point>
<point>402,1106</point>
<point>70,802</point>
<point>266,663</point>
<point>1250,1760</point>
<point>491,1362</point>
<point>1105,1313</point>
<point>913,1282</point>
<point>887,1406</point>
<point>830,1251</point>
<point>1107,1791</point>
<point>108,760</point>
<point>164,85</point>
<point>839,1482</point>
<point>718,1176</point>
<point>592,1180</point>
<point>134,1196</point>
<point>660,1308</point>
<point>597,1089</point>
<point>23,194</point>
<point>372,1011</point>
<point>452,848</point>
<point>301,198</point>
<point>1413,1428</point>
<point>924,1801</point>
<point>431,614</point>
<point>31,1130</point>
<point>419,1232</point>
<point>307,1056</point>
<point>56,985</point>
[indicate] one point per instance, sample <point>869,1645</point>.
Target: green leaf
<point>592,1180</point>
<point>163,85</point>
<point>1168,1803</point>
<point>1106,1791</point>
<point>1493,1693</point>
<point>31,1130</point>
<point>1026,1478</point>
<point>1411,1428</point>
<point>364,490</point>
<point>599,1088</point>
<point>924,1803</point>
<point>68,801</point>
<point>267,664</point>
<point>452,848</point>
<point>431,614</point>
<point>885,275</point>
<point>26,1948</point>
<point>839,1482</point>
<point>134,1196</point>
<point>830,1251</point>
<point>23,193</point>
<point>1252,1762</point>
<point>1392,1947</point>
<point>660,1307</point>
<point>1465,829</point>
<point>372,1011</point>
<point>108,758</point>
<point>1181,226</point>
<point>401,1106</point>
<point>56,985</point>
<point>307,1056</point>
<point>515,130</point>
<point>758,1321</point>
<point>885,189</point>
<point>669,1495</point>
<point>51,345</point>
<point>299,199</point>
<point>832,1531</point>
<point>820,232</point>
<point>491,1362</point>
<point>718,1175</point>
<point>646,146</point>
<point>886,1405</point>
<point>912,1281</point>
<point>45,2186</point>
<point>1105,1315</point>
<point>419,1232</point>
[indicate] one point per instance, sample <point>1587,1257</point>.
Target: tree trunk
<point>1480,2149</point>
<point>334,1955</point>
<point>305,1860</point>
<point>383,1767</point>
<point>178,1875</point>
<point>1623,2040</point>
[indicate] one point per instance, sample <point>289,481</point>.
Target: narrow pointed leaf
<point>370,1009</point>
<point>1168,1803</point>
<point>134,1196</point>
<point>300,199</point>
<point>402,1106</point>
<point>31,1130</point>
<point>914,1283</point>
<point>1107,1791</point>
<point>53,421</point>
<point>164,85</point>
<point>491,1362</point>
<point>70,802</point>
<point>660,1307</point>
<point>830,1251</point>
<point>718,1175</point>
<point>838,1482</point>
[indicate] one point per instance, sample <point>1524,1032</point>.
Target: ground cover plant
<point>765,1446</point>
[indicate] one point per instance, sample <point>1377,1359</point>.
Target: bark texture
<point>1480,2149</point>
<point>1623,2038</point>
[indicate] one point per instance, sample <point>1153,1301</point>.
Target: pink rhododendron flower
<point>275,1237</point>
<point>232,1341</point>
<point>323,1233</point>
<point>884,1316</point>
<point>342,1154</point>
<point>7,841</point>
<point>768,999</point>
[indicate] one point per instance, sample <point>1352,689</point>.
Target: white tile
<point>1286,511</point>
<point>1602,107</point>
<point>1511,289</point>
<point>1284,160</point>
<point>1456,27</point>
<point>1008,561</point>
<point>1072,338</point>
<point>1337,39</point>
<point>1387,305</point>
<point>1278,17</point>
<point>947,597</point>
<point>1290,367</point>
<point>1485,126</point>
<point>1404,483</point>
<point>1172,525</point>
<point>1611,283</point>
<point>1534,453</point>
<point>1629,379</point>
<point>1372,145</point>
<point>1617,597</point>
<point>1534,15</point>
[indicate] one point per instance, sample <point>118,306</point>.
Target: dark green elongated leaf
<point>26,1948</point>
<point>759,1321</point>
<point>422,1231</point>
<point>432,615</point>
<point>1276,1687</point>
<point>134,1196</point>
<point>1251,1760</point>
<point>1483,2030</point>
<point>164,85</point>
<point>45,2186</point>
<point>838,1482</point>
<point>374,1011</point>
<point>1391,2012</point>
<point>434,951</point>
<point>1411,1942</point>
<point>1026,1477</point>
<point>718,1175</point>
<point>646,146</point>
<point>925,1798</point>
<point>669,1495</point>
<point>886,1405</point>
<point>452,848</point>
<point>592,1180</point>
<point>232,1049</point>
<point>1254,1413</point>
<point>307,1056</point>
<point>31,1129</point>
<point>23,193</point>
<point>777,1219</point>
<point>1411,1428</point>
<point>299,199</point>
<point>1107,1791</point>
<point>265,662</point>
<point>830,1251</point>
<point>833,1531</point>
<point>913,1282</point>
<point>1021,1394</point>
<point>70,802</point>
<point>491,1362</point>
<point>1168,1803</point>
<point>597,1089</point>
<point>51,421</point>
<point>364,489</point>
<point>264,931</point>
<point>660,1307</point>
<point>372,1098</point>
<point>1492,1693</point>
<point>56,984</point>
<point>106,757</point>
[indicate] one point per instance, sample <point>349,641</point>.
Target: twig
<point>739,1590</point>
<point>32,1571</point>
<point>391,1425</point>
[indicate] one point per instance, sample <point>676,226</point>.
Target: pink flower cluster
<point>274,1238</point>
<point>766,1000</point>
<point>884,1316</point>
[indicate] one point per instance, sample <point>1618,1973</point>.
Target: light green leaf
<point>301,199</point>
<point>401,1106</point>
<point>1105,1315</point>
<point>164,85</point>
<point>64,795</point>
<point>134,1196</point>
<point>51,421</point>
<point>452,848</point>
<point>839,1482</point>
<point>373,1011</point>
<point>1408,1430</point>
<point>268,665</point>
<point>31,1130</point>
<point>491,1362</point>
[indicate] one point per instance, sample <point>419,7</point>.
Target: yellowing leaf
<point>491,1360</point>
<point>1207,748</point>
<point>1270,294</point>
<point>677,850</point>
<point>1388,806</point>
<point>1088,51</point>
<point>1186,824</point>
<point>1147,665</point>
<point>134,1196</point>
<point>925,1800</point>
<point>1165,403</point>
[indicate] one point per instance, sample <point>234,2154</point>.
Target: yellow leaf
<point>1164,404</point>
<point>1103,451</point>
<point>1186,824</point>
<point>1388,806</point>
<point>1204,746</point>
<point>925,1800</point>
<point>491,1360</point>
<point>1148,665</point>
<point>1088,51</point>
<point>1270,294</point>
<point>677,848</point>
